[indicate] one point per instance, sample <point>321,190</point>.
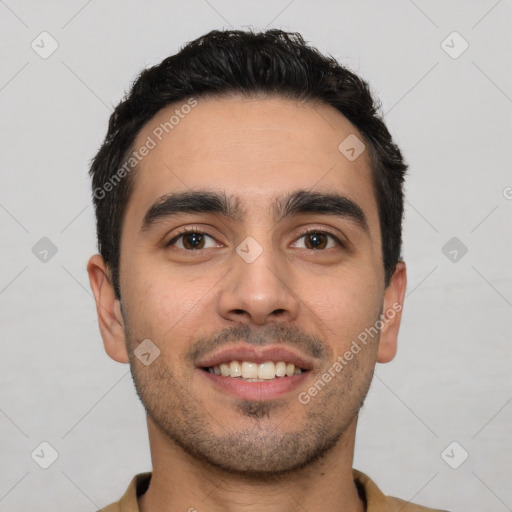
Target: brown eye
<point>191,240</point>
<point>318,240</point>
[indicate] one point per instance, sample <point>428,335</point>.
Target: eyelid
<point>195,229</point>
<point>186,230</point>
<point>324,231</point>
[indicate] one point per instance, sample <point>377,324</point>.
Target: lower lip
<point>269,390</point>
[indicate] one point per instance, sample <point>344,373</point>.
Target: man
<point>249,206</point>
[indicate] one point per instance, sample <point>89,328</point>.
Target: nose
<point>258,292</point>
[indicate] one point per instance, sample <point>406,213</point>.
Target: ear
<point>392,307</point>
<point>108,309</point>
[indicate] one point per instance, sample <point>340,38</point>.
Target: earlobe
<point>392,307</point>
<point>108,309</point>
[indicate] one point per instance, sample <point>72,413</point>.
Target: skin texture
<point>209,449</point>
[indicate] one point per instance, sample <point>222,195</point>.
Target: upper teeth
<point>249,370</point>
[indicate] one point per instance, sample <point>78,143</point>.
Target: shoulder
<point>396,504</point>
<point>128,502</point>
<point>377,501</point>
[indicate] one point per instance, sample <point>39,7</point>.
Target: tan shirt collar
<point>376,501</point>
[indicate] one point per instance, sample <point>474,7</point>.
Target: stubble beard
<point>265,450</point>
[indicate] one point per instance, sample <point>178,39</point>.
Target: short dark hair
<point>273,63</point>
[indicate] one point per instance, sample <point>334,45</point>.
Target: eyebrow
<point>284,206</point>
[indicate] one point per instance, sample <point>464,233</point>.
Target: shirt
<point>373,497</point>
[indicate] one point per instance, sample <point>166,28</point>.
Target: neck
<point>181,482</point>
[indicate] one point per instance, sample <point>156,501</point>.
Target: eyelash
<point>186,231</point>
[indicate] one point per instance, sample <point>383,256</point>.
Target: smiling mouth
<point>255,372</point>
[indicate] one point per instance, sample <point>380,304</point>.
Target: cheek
<point>345,308</point>
<point>168,311</point>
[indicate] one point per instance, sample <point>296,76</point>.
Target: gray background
<point>451,379</point>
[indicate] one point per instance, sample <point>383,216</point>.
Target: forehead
<point>251,148</point>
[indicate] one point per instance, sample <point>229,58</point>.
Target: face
<point>280,265</point>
